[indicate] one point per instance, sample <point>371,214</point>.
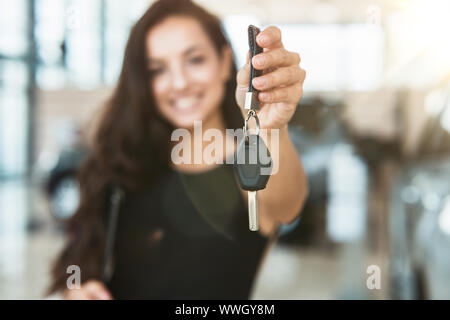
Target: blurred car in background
<point>61,185</point>
<point>57,169</point>
<point>420,210</point>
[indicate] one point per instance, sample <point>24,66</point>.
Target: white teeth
<point>186,103</point>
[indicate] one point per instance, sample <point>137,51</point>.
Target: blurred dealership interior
<point>372,129</point>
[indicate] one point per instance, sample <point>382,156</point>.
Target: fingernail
<point>259,60</point>
<point>259,82</point>
<point>263,96</point>
<point>263,39</point>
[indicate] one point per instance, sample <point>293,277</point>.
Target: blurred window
<point>13,117</point>
<point>13,25</point>
<point>50,31</point>
<point>338,56</point>
<point>68,36</point>
<point>14,78</point>
<point>81,42</point>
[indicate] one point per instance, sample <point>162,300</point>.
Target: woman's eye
<point>155,71</point>
<point>197,60</point>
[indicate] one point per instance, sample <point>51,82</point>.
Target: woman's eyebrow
<point>191,49</point>
<point>186,52</point>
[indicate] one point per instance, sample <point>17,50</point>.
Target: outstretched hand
<point>280,86</point>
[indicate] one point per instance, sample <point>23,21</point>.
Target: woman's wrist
<point>276,138</point>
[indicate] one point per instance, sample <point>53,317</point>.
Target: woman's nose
<point>179,79</point>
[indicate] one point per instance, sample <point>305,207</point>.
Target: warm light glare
<point>432,27</point>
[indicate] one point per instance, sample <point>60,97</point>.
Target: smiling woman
<point>182,228</point>
<point>188,74</point>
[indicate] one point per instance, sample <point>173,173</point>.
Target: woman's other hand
<point>90,290</point>
<point>280,86</point>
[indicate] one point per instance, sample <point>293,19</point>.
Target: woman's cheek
<point>213,86</point>
<point>159,87</point>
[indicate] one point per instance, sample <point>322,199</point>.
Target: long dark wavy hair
<point>131,144</point>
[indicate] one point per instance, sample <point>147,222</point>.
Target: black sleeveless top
<point>186,237</point>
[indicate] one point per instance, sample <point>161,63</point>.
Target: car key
<point>253,173</point>
<point>253,166</point>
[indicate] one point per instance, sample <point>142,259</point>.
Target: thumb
<point>243,74</point>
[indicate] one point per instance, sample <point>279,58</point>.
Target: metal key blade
<point>253,211</point>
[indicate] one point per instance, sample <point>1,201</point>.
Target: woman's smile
<point>187,103</point>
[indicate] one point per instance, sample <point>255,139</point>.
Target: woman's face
<point>187,73</point>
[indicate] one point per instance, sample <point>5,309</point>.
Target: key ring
<point>251,113</point>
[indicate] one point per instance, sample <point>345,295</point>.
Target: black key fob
<point>253,163</point>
